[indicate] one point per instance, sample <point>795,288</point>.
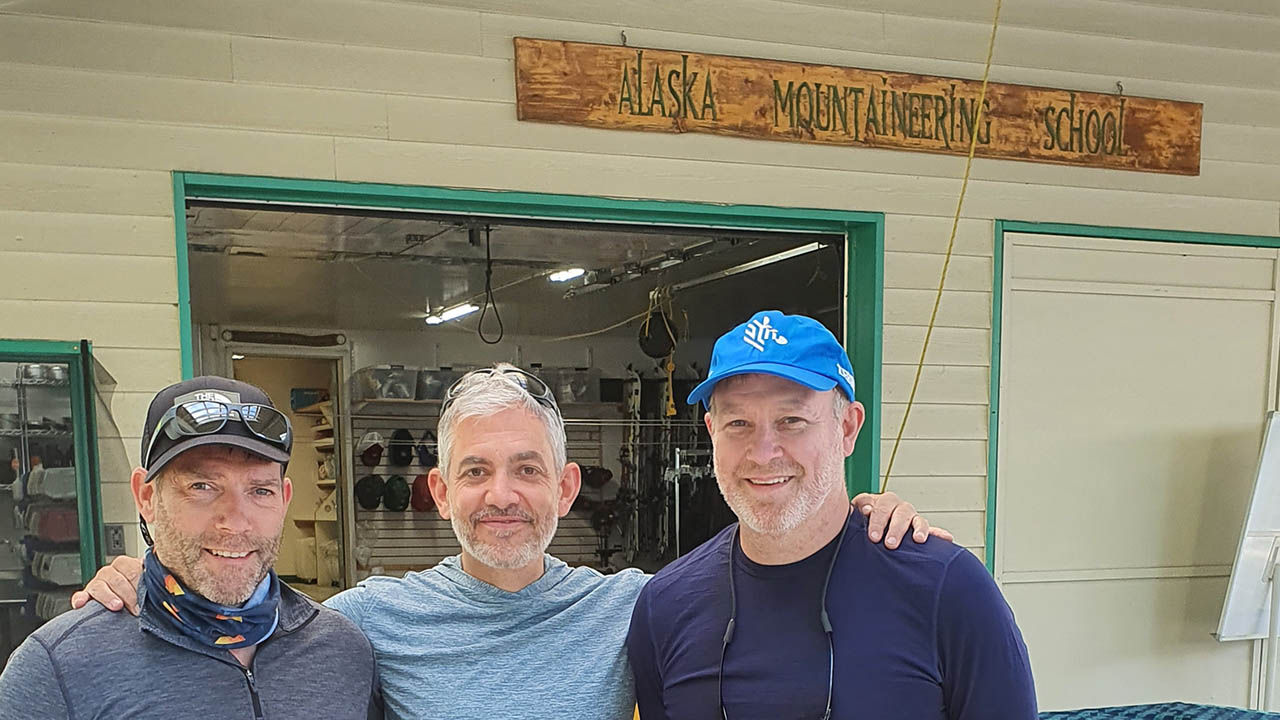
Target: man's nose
<point>502,490</point>
<point>233,513</point>
<point>763,446</point>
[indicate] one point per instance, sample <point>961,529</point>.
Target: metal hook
<point>624,37</point>
<point>1119,88</point>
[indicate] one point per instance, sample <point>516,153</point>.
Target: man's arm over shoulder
<point>353,602</point>
<point>643,654</point>
<point>30,686</point>
<point>985,669</point>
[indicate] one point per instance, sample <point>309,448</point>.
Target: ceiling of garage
<point>307,268</point>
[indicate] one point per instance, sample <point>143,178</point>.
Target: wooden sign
<point>666,91</point>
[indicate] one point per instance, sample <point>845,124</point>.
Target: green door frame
<point>864,233</point>
<point>997,285</point>
<point>79,358</point>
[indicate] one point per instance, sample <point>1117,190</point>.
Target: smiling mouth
<point>228,555</point>
<point>769,481</point>
<point>503,522</point>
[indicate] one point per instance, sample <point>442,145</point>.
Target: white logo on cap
<point>845,374</point>
<point>759,332</point>
<point>208,396</point>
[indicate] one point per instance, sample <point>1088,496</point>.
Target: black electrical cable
<point>488,296</point>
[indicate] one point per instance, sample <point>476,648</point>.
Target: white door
<point>1134,381</point>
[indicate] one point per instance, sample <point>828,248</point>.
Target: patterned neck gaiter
<point>216,626</point>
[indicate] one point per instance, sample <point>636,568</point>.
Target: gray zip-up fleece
<point>99,665</point>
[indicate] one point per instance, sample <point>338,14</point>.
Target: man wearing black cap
<point>792,613</point>
<point>219,635</point>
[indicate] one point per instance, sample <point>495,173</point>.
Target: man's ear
<point>286,492</point>
<point>570,486</point>
<point>706,419</point>
<point>144,493</point>
<point>850,424</point>
<point>439,491</point>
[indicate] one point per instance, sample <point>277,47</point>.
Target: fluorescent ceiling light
<point>567,275</point>
<point>237,356</point>
<point>452,313</point>
<point>749,265</point>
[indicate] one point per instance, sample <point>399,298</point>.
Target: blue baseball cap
<point>793,347</point>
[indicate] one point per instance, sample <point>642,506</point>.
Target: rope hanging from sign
<point>946,260</point>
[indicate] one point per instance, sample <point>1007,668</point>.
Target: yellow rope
<point>946,262</point>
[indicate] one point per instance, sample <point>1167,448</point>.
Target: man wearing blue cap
<point>791,613</point>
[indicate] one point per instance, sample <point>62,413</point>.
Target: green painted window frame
<point>78,356</point>
<point>997,293</point>
<point>864,251</point>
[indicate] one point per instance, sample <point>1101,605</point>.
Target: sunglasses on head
<point>531,383</point>
<point>207,417</point>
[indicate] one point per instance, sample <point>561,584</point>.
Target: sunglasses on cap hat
<point>531,383</point>
<point>208,417</point>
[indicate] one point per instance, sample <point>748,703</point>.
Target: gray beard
<point>777,521</point>
<point>503,557</point>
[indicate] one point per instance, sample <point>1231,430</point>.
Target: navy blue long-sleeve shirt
<point>920,633</point>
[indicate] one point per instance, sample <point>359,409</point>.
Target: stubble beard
<point>184,556</point>
<point>503,555</point>
<point>773,518</point>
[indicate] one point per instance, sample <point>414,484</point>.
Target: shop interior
<point>356,322</point>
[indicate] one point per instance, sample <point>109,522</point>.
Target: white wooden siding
<point>99,102</point>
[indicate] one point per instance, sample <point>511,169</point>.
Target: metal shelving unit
<point>38,576</point>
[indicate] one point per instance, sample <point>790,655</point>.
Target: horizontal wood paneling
<point>55,91</point>
<point>1124,20</point>
<point>117,501</point>
<point>930,421</point>
<point>936,457</point>
<point>929,234</point>
<point>94,278</point>
<point>947,346</point>
<point>53,232</point>
<point>344,67</point>
<point>969,309</point>
<point>965,526</point>
<point>954,385</point>
<point>139,370</point>
<point>1260,8</point>
<point>85,190</point>
<point>1241,143</point>
<point>129,413</point>
<point>106,324</point>
<point>411,26</point>
<point>1089,54</point>
<point>919,271</point>
<point>117,144</point>
<point>113,47</point>
<point>941,494</point>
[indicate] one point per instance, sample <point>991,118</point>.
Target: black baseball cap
<point>232,433</point>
